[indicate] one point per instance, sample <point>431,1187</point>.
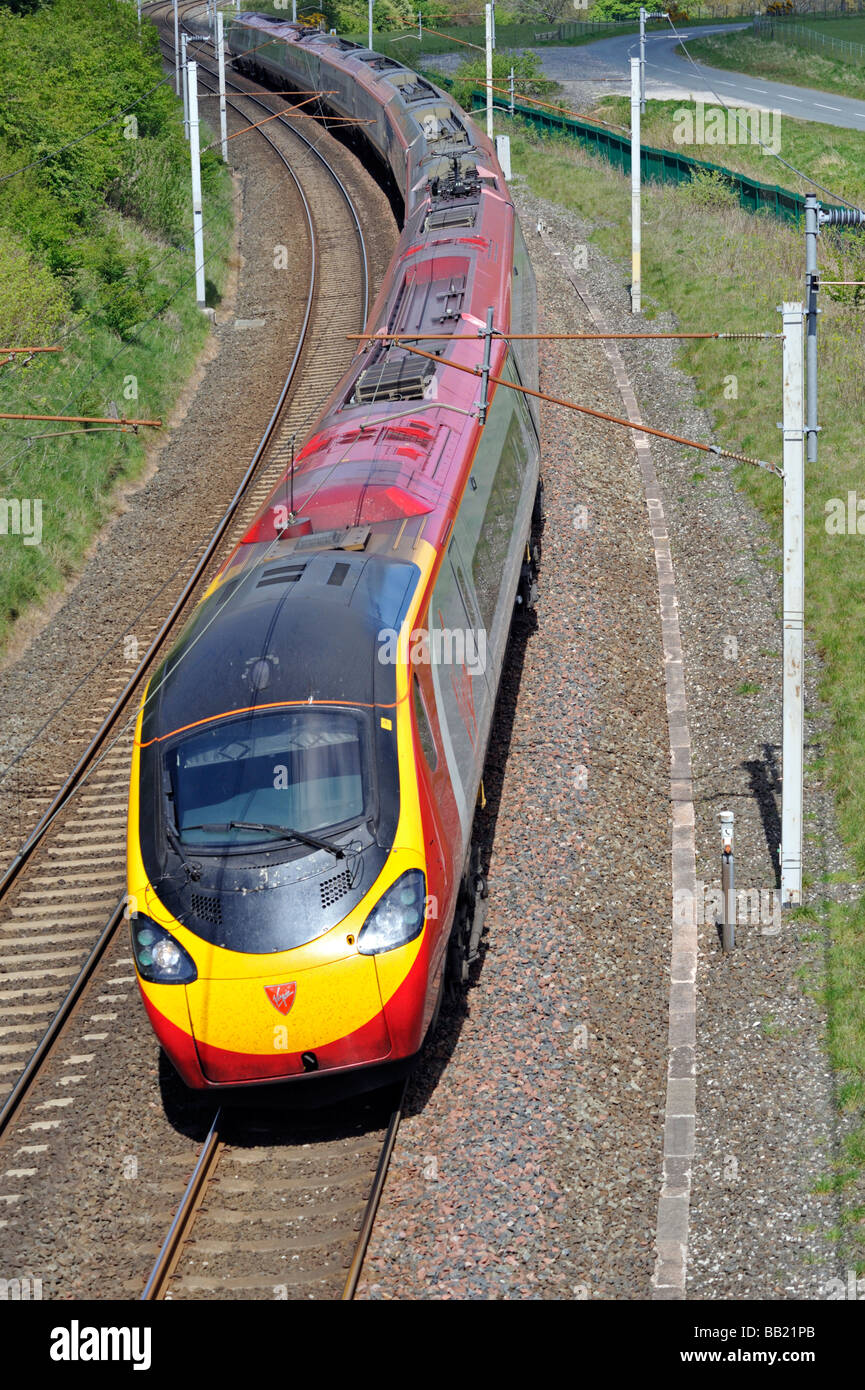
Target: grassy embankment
<point>715,266</point>
<point>787,60</point>
<point>95,254</point>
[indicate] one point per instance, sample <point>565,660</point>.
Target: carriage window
<point>427,742</point>
<point>491,552</point>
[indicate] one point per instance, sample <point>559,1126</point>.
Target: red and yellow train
<point>308,757</point>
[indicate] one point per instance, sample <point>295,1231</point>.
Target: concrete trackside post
<point>220,55</point>
<point>195,158</point>
<point>176,50</point>
<point>489,45</point>
<point>636,287</point>
<point>728,882</point>
<point>792,766</point>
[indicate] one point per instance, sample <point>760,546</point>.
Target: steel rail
<point>371,1210</point>
<point>172,1246</point>
<point>49,1037</point>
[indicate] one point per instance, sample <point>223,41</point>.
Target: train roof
<point>294,629</point>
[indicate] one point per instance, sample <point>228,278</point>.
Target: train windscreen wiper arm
<point>286,831</point>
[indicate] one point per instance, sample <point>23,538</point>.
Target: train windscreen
<point>244,781</point>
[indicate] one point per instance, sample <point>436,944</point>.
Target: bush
<point>529,79</point>
<point>709,189</point>
<point>33,304</point>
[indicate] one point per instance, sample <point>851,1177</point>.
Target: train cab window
<point>427,742</point>
<point>303,769</point>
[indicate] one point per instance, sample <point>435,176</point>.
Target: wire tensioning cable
<point>602,415</point>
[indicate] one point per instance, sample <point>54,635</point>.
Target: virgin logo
<point>281,996</point>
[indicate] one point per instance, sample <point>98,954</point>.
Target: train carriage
<point>308,757</point>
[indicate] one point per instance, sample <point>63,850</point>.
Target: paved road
<point>592,69</point>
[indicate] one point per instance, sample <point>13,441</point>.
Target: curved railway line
<point>61,903</point>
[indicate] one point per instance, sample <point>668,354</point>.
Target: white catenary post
<point>220,55</point>
<point>794,606</point>
<point>197,221</point>
<point>489,22</point>
<point>176,51</point>
<point>636,290</point>
<point>184,64</point>
<point>369,45</point>
<point>643,13</point>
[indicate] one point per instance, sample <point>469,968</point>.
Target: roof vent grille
<point>281,574</point>
<point>403,379</point>
<point>452,217</point>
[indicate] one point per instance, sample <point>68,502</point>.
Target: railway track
<point>61,897</point>
<point>280,1206</point>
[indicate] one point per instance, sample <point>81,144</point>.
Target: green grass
<point>785,61</point>
<point>75,476</point>
<point>852,29</point>
<point>95,256</point>
<point>838,161</point>
<point>717,268</point>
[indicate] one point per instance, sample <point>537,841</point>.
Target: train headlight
<point>397,917</point>
<point>160,959</point>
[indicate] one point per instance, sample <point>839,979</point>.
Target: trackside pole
<point>812,212</point>
<point>369,18</point>
<point>643,13</point>
<point>489,22</point>
<point>176,51</point>
<point>483,405</point>
<point>636,288</point>
<point>511,85</point>
<point>184,61</point>
<point>197,220</point>
<point>794,607</point>
<point>220,54</point>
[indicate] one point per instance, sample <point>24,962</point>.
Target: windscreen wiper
<point>286,832</point>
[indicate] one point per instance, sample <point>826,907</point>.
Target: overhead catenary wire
<point>602,415</point>
<point>397,338</point>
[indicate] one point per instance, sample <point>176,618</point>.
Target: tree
<point>616,9</point>
<point>22,6</point>
<point>549,10</point>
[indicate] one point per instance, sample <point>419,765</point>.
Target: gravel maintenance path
<point>531,1159</point>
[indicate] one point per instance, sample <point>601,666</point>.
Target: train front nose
<point>320,1018</point>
